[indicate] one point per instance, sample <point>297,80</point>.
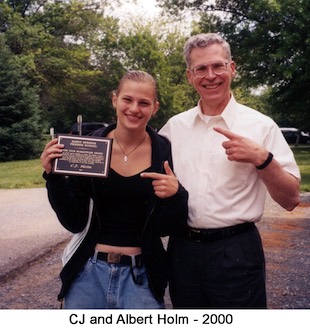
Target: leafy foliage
<point>60,59</point>
<point>78,56</point>
<point>20,129</point>
<point>146,48</point>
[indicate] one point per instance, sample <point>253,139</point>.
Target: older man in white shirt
<point>227,156</point>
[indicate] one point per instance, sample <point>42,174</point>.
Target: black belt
<point>115,258</point>
<point>215,234</point>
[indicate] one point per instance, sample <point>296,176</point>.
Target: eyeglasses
<point>201,70</point>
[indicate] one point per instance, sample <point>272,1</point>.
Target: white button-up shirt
<point>221,192</point>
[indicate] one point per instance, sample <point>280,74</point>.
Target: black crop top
<point>124,209</point>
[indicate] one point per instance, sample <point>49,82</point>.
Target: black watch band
<point>266,162</point>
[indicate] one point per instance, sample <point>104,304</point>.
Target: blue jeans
<point>101,285</point>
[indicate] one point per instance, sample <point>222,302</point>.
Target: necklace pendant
<point>125,158</point>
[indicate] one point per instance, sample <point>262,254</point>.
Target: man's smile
<point>213,86</point>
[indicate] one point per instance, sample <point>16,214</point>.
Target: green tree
<point>20,129</point>
<point>58,43</point>
<point>70,81</point>
<point>76,55</point>
<point>157,49</point>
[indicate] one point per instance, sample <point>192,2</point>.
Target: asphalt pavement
<point>28,227</point>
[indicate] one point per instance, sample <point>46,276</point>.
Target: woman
<point>121,262</point>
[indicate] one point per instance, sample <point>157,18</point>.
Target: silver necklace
<point>128,153</point>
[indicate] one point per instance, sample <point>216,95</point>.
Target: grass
<point>302,156</point>
<point>21,174</point>
<point>28,173</point>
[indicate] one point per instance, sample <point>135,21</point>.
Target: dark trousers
<point>227,273</point>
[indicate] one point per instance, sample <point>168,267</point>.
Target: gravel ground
<point>286,237</point>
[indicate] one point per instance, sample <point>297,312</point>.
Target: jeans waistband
<point>215,234</point>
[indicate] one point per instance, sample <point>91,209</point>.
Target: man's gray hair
<point>203,40</point>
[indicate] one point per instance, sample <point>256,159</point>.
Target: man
<point>227,156</point>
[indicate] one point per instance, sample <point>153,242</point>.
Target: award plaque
<point>84,155</point>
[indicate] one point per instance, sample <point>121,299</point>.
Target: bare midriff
<point>125,250</point>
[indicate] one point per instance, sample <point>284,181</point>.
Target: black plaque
<point>84,155</point>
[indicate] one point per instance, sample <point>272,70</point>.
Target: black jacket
<point>70,197</point>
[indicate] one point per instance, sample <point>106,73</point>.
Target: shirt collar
<point>228,115</point>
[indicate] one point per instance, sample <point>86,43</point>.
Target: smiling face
<point>214,89</point>
<point>135,104</point>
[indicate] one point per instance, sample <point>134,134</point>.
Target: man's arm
<point>281,185</point>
